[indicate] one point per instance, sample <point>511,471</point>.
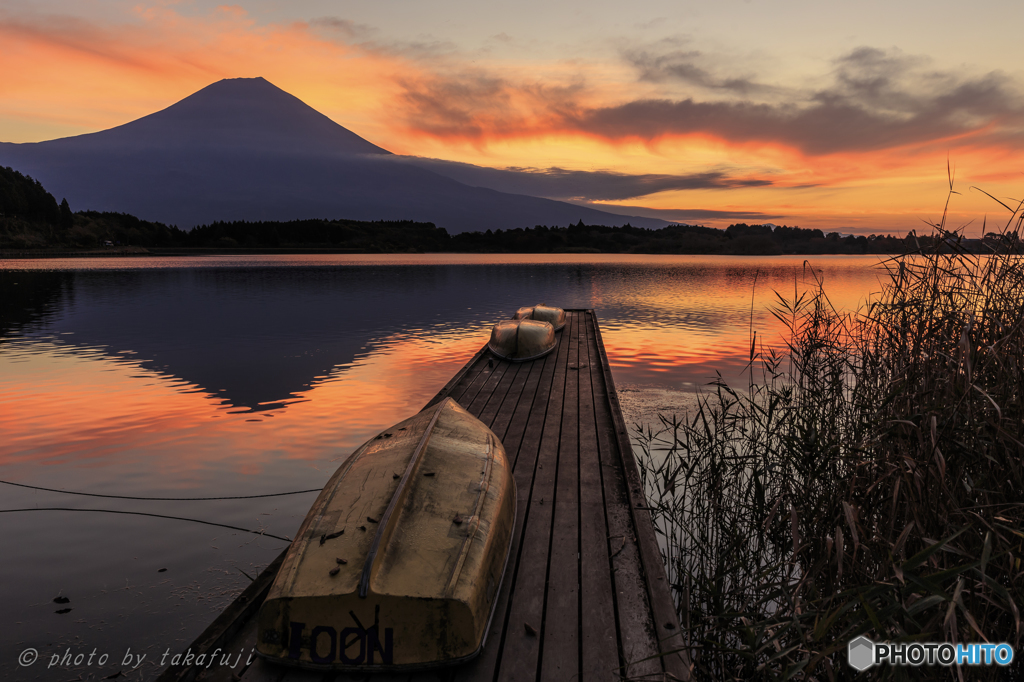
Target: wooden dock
<point>584,595</point>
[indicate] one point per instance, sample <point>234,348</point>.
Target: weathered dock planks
<point>584,595</point>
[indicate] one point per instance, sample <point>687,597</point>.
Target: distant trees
<point>67,218</point>
<point>24,198</point>
<point>31,218</point>
<point>767,239</point>
<point>737,239</point>
<point>93,228</point>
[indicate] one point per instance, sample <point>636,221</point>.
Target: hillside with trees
<point>31,219</point>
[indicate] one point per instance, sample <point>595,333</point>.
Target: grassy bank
<point>867,480</point>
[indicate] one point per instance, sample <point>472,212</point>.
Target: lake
<point>240,376</point>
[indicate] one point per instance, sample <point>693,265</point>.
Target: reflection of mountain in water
<point>258,336</point>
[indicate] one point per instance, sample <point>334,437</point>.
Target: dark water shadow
<point>28,298</point>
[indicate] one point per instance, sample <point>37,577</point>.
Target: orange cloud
<point>111,74</point>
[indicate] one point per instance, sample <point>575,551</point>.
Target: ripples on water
<point>244,375</point>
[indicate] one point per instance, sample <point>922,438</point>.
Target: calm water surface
<point>249,375</point>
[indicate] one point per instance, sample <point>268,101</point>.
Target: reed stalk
<point>869,479</point>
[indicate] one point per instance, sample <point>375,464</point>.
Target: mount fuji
<point>243,149</point>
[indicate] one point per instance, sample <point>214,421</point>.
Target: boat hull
<point>522,340</point>
<point>554,316</point>
<point>398,564</point>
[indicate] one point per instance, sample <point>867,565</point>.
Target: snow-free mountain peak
<point>239,114</point>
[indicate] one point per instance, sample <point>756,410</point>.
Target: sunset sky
<point>821,114</point>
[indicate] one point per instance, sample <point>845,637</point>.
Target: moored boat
<point>543,313</point>
<point>398,563</point>
<point>522,340</point>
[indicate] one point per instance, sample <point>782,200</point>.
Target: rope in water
<point>159,516</point>
<point>163,499</point>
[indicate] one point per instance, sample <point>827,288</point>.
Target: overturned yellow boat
<point>543,313</point>
<point>398,563</point>
<point>521,340</point>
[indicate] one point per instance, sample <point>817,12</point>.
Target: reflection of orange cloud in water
<point>699,319</point>
<point>61,405</point>
<point>58,403</point>
<point>388,385</point>
<point>668,350</point>
<point>675,356</point>
<point>88,409</point>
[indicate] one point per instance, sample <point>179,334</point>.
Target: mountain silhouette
<point>243,149</point>
<point>236,114</point>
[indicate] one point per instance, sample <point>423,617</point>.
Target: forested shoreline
<point>31,220</point>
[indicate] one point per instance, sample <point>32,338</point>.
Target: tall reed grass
<point>869,479</point>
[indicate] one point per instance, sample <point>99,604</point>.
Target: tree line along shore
<point>31,220</point>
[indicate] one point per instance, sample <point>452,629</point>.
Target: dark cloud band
<point>559,183</point>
